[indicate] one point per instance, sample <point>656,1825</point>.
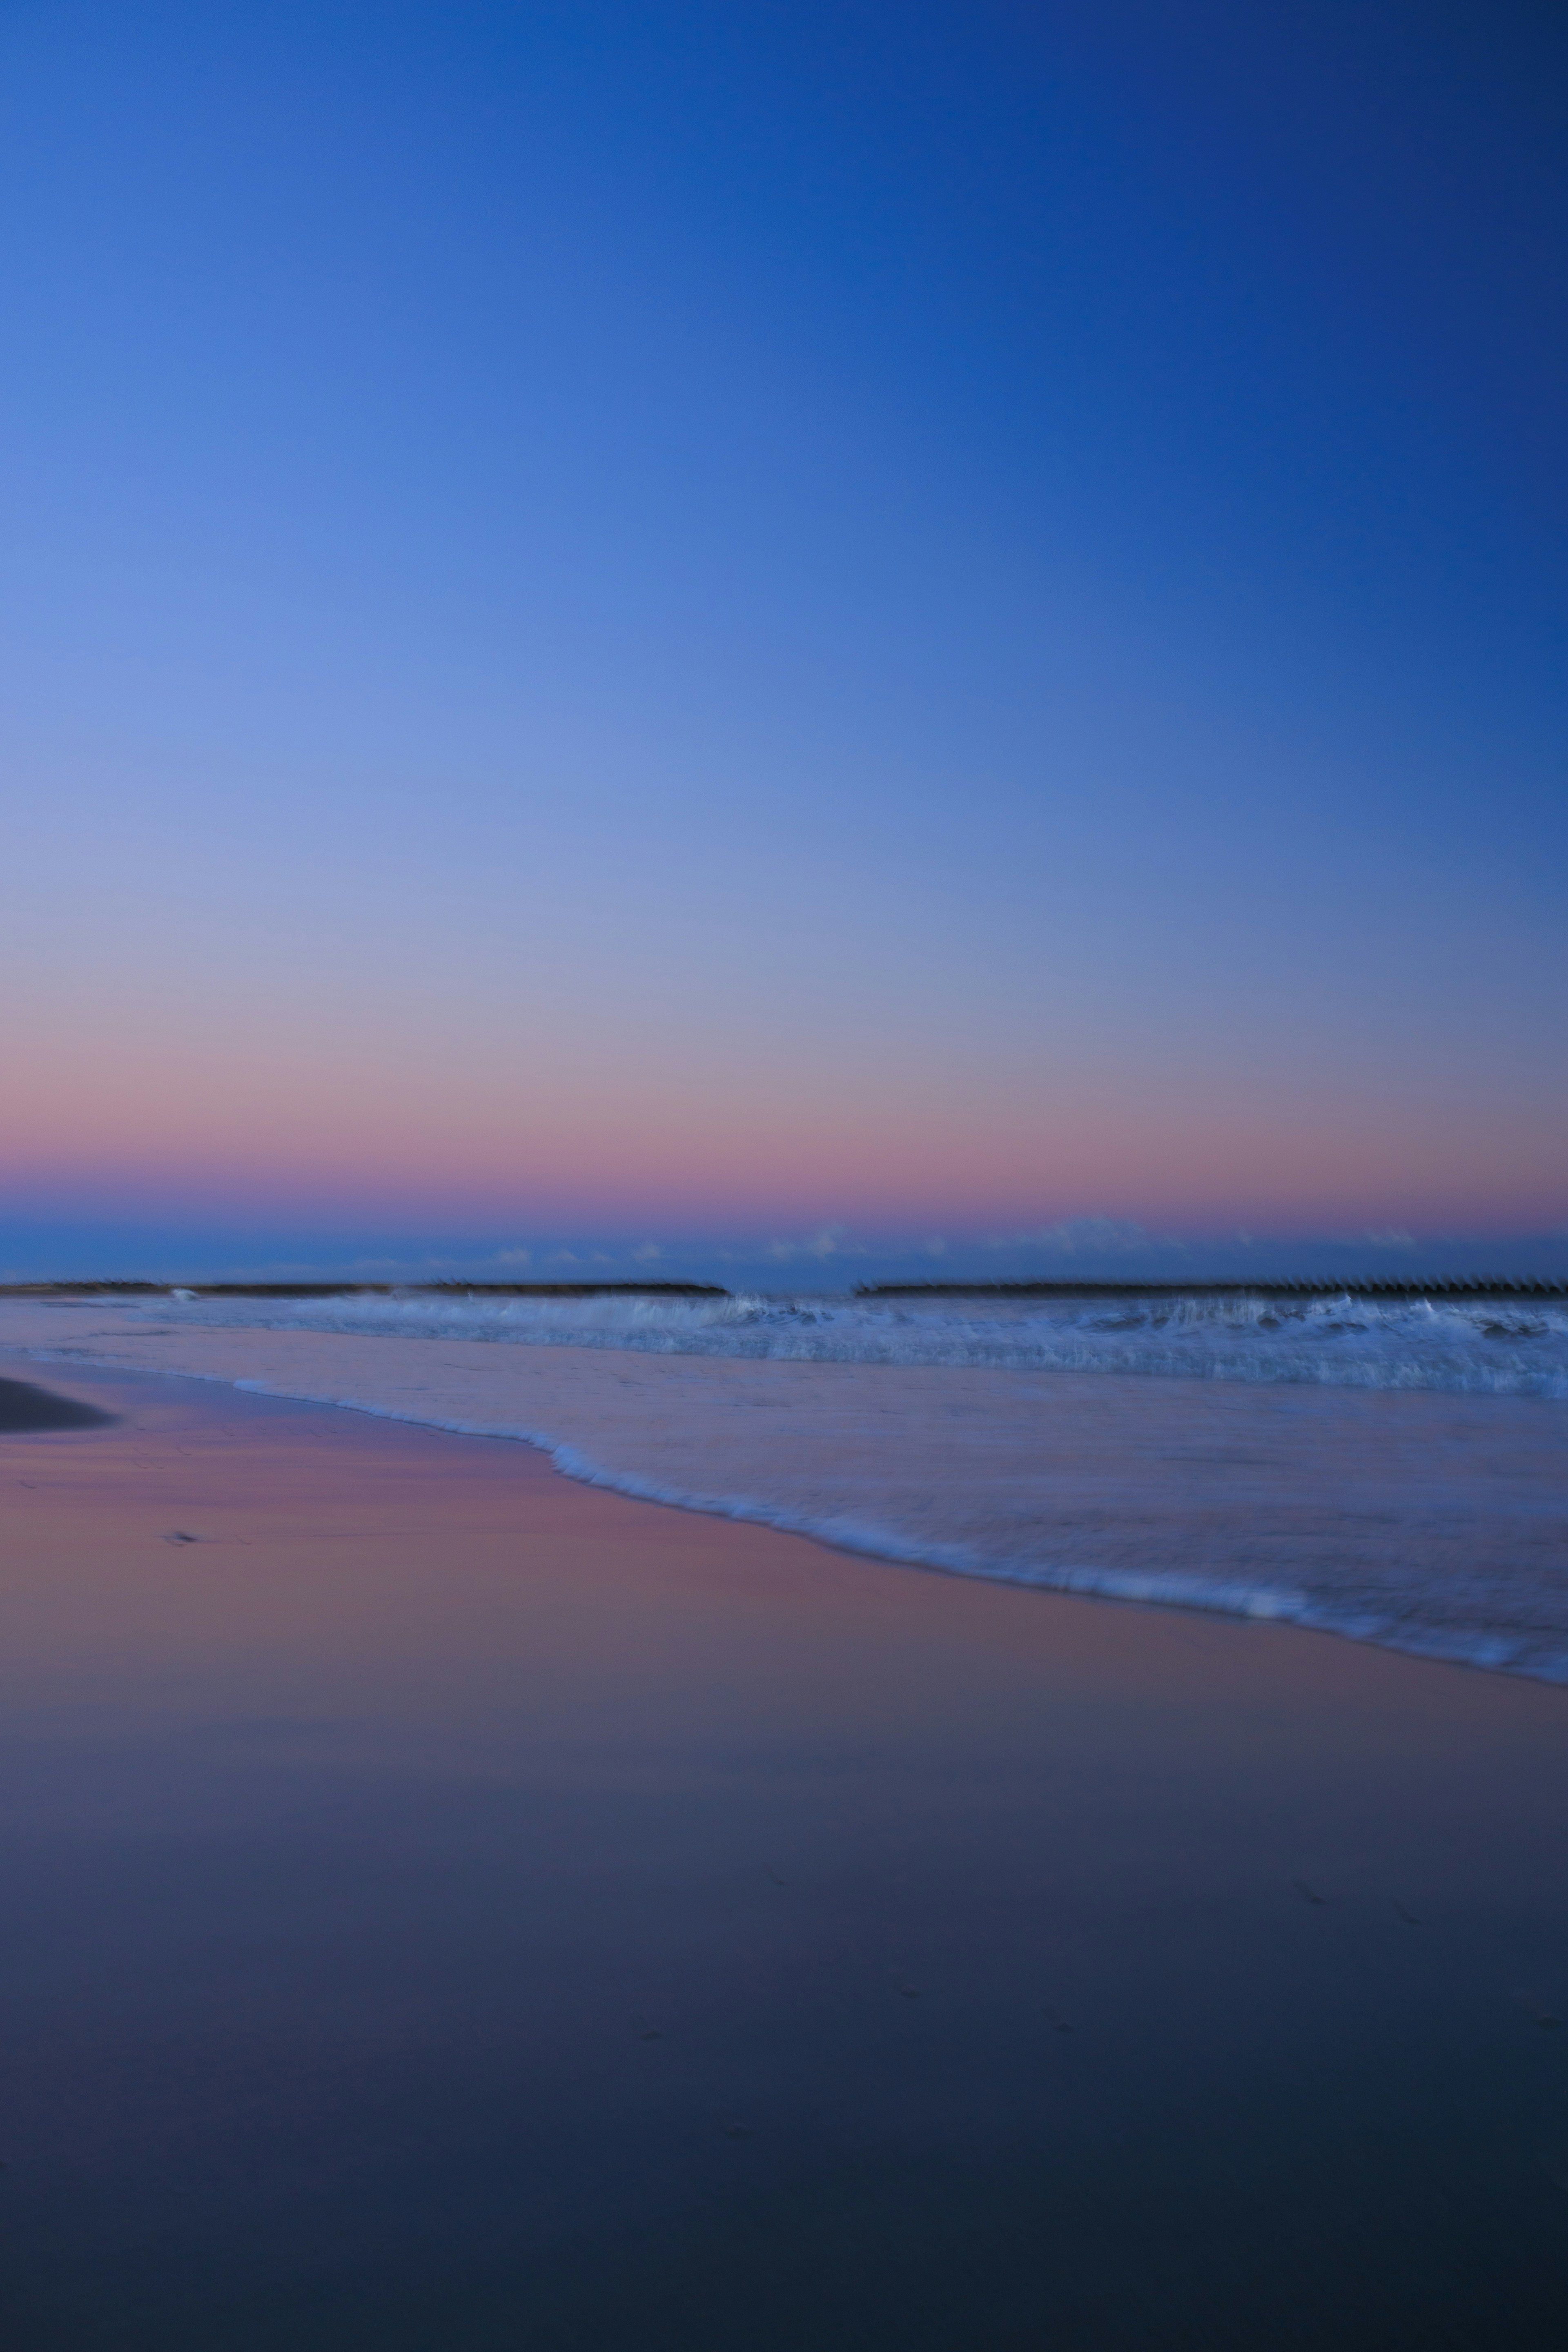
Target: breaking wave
<point>1482,1347</point>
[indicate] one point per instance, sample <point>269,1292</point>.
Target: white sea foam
<point>1481,1347</point>
<point>1391,1471</point>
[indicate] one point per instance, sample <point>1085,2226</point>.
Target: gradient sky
<point>755,629</point>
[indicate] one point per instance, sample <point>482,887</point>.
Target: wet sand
<point>451,1905</point>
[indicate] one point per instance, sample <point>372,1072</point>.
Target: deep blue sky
<point>665,623</point>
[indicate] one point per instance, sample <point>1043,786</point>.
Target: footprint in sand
<point>1538,2011</point>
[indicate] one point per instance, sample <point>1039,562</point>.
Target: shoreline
<point>1234,1498</point>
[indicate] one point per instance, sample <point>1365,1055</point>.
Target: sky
<point>785,642</point>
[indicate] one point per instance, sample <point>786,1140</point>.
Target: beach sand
<point>453,1906</point>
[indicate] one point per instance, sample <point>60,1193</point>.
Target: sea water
<point>1497,1347</point>
<point>1395,1470</point>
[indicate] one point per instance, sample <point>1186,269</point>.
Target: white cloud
<point>831,1242</point>
<point>1077,1236</point>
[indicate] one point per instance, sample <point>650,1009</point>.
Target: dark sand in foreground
<point>450,1908</point>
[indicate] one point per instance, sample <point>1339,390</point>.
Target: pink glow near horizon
<point>300,1143</point>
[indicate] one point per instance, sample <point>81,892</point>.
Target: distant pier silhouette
<point>1443,1286</point>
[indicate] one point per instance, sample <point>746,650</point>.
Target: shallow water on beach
<point>1429,1516</point>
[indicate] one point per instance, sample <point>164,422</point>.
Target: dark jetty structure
<point>363,1289</point>
<point>1444,1286</point>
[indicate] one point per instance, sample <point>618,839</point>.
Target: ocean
<point>1394,1471</point>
